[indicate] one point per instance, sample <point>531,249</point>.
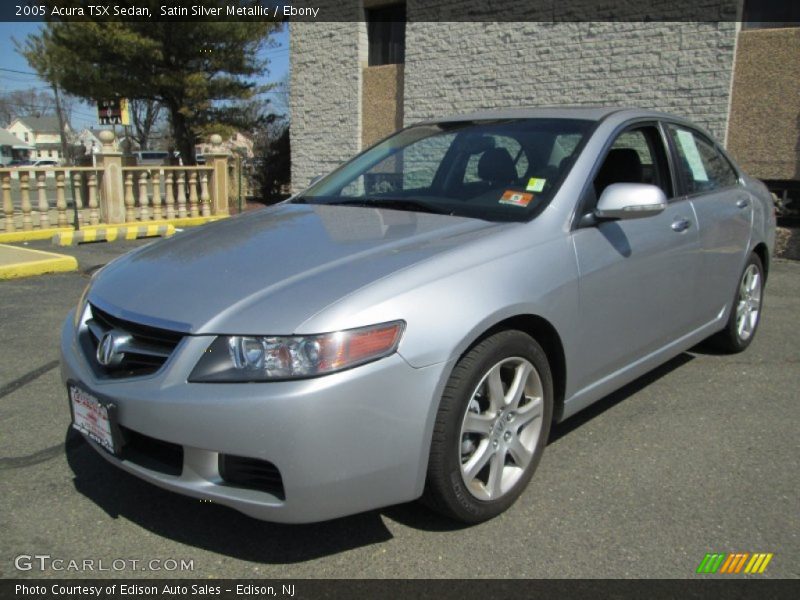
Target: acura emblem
<point>110,349</point>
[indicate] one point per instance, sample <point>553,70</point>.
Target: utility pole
<point>60,115</point>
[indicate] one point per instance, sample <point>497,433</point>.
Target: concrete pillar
<point>218,159</point>
<point>109,162</point>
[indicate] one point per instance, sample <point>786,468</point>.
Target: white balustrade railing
<point>41,198</point>
<point>154,193</point>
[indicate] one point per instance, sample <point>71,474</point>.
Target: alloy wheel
<point>501,428</point>
<point>749,302</point>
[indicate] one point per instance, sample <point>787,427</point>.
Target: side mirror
<point>630,201</point>
<point>315,180</point>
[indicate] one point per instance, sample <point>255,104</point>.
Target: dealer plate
<point>93,418</point>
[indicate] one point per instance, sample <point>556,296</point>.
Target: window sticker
<point>692,155</point>
<point>516,198</point>
<point>535,184</point>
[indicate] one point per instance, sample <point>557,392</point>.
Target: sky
<point>16,74</point>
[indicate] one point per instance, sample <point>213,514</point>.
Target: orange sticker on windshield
<point>516,198</point>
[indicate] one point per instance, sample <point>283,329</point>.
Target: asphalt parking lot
<point>699,456</point>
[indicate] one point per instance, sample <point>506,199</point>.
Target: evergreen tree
<point>201,72</point>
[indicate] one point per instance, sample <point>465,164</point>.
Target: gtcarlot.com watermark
<point>47,562</point>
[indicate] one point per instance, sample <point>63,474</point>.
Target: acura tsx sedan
<point>412,323</point>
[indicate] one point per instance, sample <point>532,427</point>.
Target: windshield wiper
<point>391,203</point>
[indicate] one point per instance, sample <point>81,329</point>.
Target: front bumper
<point>343,443</point>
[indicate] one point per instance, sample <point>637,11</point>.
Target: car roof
<point>589,113</point>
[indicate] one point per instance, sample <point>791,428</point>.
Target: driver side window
<point>636,156</point>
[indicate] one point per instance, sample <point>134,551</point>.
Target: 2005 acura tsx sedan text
<point>413,323</point>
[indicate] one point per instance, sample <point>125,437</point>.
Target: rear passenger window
<point>703,167</point>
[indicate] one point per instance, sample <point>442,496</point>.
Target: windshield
<point>494,170</point>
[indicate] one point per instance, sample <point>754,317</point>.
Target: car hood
<point>267,271</point>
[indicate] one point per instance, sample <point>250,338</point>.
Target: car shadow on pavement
<point>210,526</point>
<point>706,348</point>
<point>418,516</point>
<point>559,430</point>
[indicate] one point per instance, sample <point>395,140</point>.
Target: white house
<point>12,148</point>
<point>41,133</point>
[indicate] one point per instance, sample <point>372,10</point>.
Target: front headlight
<point>81,308</point>
<point>271,358</point>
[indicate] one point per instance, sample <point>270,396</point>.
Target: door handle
<point>680,225</point>
<point>742,203</point>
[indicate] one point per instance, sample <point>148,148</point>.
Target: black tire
<point>730,340</point>
<point>445,489</point>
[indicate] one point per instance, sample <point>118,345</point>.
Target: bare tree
<point>23,103</point>
<point>145,115</point>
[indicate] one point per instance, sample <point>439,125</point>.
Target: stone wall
<point>680,67</point>
<point>683,68</point>
<point>514,11</point>
<point>325,97</point>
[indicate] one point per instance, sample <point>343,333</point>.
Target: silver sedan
<point>413,323</point>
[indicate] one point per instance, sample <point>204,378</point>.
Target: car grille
<point>146,351</point>
<point>150,453</point>
<point>251,473</point>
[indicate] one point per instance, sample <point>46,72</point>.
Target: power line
<point>28,83</point>
<point>26,89</point>
<point>19,72</point>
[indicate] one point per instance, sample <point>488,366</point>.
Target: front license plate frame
<point>94,417</point>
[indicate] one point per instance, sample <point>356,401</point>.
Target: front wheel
<point>491,428</point>
<point>746,310</point>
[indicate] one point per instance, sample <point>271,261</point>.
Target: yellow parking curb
<point>47,234</point>
<point>109,233</point>
<point>31,234</point>
<point>189,221</point>
<point>24,262</point>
